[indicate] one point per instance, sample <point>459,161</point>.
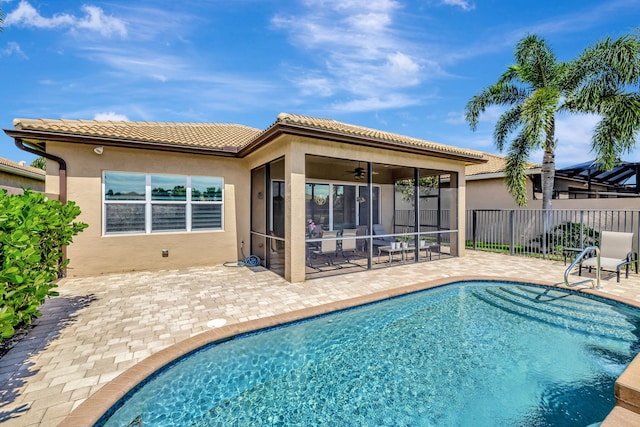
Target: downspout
<point>62,174</point>
<point>62,167</point>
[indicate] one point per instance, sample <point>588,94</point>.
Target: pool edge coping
<point>89,412</point>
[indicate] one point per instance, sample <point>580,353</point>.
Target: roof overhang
<point>40,138</point>
<point>281,128</point>
<point>501,174</point>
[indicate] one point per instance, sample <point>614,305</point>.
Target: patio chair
<point>616,251</point>
<point>327,248</point>
<point>362,243</point>
<point>378,229</point>
<point>349,242</point>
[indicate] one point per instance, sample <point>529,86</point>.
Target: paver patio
<point>101,326</point>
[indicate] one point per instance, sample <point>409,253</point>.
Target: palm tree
<point>538,86</point>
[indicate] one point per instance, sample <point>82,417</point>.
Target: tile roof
<point>495,164</point>
<point>207,135</point>
<point>20,167</point>
<point>221,136</point>
<point>364,132</point>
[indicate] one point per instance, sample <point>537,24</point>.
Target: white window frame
<point>148,204</point>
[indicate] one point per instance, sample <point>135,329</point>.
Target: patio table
<point>392,250</point>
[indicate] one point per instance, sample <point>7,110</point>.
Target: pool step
<point>570,318</point>
<point>568,305</point>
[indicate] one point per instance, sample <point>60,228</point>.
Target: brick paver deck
<point>101,326</point>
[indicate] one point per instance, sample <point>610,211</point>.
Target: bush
<point>567,235</point>
<point>33,231</point>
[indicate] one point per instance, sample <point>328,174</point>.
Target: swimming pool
<point>481,354</point>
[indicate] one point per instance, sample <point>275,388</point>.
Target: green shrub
<point>33,231</point>
<point>567,235</point>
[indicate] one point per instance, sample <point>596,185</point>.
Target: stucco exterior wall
<point>93,253</point>
<point>493,194</point>
<point>15,184</point>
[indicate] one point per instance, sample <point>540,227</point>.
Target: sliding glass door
<point>338,206</point>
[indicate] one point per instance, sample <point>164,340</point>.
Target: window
<point>149,203</point>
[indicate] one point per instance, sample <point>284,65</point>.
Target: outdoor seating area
<point>333,252</point>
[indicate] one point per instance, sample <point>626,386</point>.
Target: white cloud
<point>376,103</point>
<point>111,116</point>
<point>28,16</point>
<point>455,118</point>
<point>574,133</point>
<point>318,86</point>
<point>13,48</point>
<point>362,53</point>
<point>462,4</point>
<point>94,20</point>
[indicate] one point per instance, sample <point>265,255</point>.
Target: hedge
<point>33,231</point>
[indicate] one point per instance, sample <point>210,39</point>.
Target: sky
<point>403,66</point>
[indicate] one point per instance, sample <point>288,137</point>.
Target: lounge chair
<point>378,230</point>
<point>616,251</point>
<point>328,248</point>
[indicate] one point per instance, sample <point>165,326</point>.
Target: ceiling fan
<point>359,172</point>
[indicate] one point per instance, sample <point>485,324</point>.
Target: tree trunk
<point>548,167</point>
<point>548,176</point>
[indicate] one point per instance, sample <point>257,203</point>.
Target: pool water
<point>467,354</point>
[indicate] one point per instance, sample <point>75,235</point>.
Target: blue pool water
<point>468,354</point>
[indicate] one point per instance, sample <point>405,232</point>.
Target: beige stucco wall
<point>15,184</point>
<point>493,194</point>
<point>92,253</point>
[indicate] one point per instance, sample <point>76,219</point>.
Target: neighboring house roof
<point>494,167</point>
<point>225,139</point>
<point>621,175</point>
<point>15,168</point>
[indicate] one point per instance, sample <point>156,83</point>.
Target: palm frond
<point>538,115</point>
<point>538,65</point>
<point>616,132</point>
<point>508,122</point>
<point>515,169</point>
<point>496,94</point>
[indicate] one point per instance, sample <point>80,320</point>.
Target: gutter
<point>62,165</point>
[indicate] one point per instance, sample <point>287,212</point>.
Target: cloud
<point>462,4</point>
<point>94,20</point>
<point>13,48</point>
<point>574,133</point>
<point>377,103</point>
<point>111,116</point>
<point>361,52</point>
<point>455,118</point>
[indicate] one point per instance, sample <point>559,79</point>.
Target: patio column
<point>295,252</point>
<point>458,215</point>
